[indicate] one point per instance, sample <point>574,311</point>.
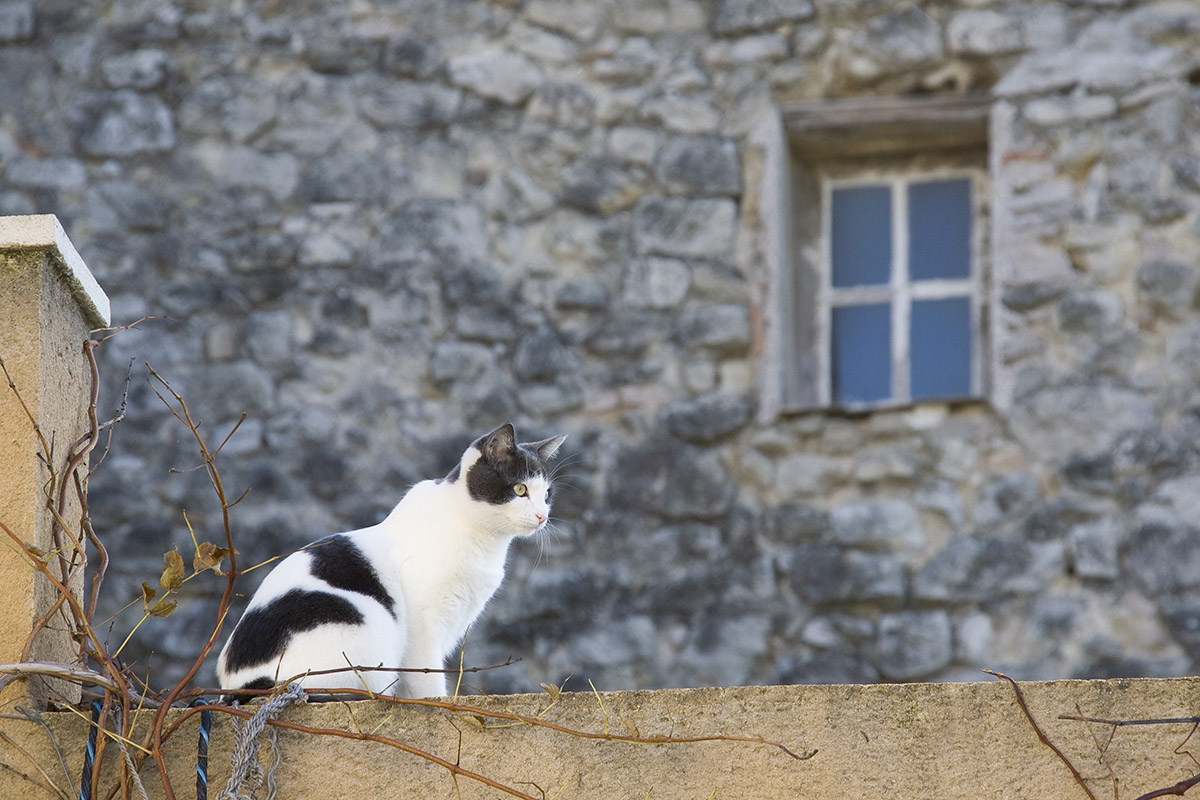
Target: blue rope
<point>89,755</point>
<point>202,752</point>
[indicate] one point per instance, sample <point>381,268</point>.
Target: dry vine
<point>1178,789</point>
<point>121,692</point>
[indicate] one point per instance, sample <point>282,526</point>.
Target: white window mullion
<point>901,292</point>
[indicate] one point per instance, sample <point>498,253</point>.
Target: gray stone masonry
<point>380,228</point>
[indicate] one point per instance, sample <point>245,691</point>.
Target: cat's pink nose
<point>541,518</point>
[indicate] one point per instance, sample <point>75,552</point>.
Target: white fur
<point>440,555</point>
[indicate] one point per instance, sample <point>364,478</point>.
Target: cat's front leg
<point>423,653</point>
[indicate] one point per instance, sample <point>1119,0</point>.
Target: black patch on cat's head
<point>338,561</point>
<point>504,463</point>
<point>263,632</point>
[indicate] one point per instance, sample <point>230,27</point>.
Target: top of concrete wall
<point>45,232</point>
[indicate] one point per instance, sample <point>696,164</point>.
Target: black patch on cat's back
<point>340,563</point>
<point>264,632</point>
<point>241,697</point>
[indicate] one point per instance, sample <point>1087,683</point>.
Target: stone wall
<point>381,228</point>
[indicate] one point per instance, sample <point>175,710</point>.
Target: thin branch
<point>56,670</point>
<point>1036,729</point>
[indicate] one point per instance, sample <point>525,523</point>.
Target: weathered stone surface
<point>971,569</point>
<point>707,419</point>
<point>410,105</point>
<point>141,70</point>
<point>825,575</point>
<point>724,328</point>
<point>1165,558</point>
<point>123,123</point>
<point>239,107</point>
<point>737,16</point>
<point>905,38</point>
<point>890,524</point>
<point>687,228</point>
<point>247,167</point>
<point>1060,421</point>
<point>47,173</point>
<point>601,184</point>
<point>16,21</point>
<point>700,165</point>
<point>543,356</point>
<point>1094,549</point>
<point>672,480</point>
<point>385,231</point>
<point>657,282</point>
<point>1169,287</point>
<point>913,644</point>
<point>496,74</point>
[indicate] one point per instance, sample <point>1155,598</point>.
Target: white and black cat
<point>401,593</point>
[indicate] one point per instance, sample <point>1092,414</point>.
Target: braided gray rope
<point>246,776</point>
<point>137,779</point>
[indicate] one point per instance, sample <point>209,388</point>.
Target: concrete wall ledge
<point>45,232</point>
<point>909,741</point>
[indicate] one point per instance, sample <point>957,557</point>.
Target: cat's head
<point>511,480</point>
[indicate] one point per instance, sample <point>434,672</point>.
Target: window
<point>885,286</point>
<point>901,289</point>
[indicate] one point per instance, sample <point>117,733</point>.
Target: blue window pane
<point>861,233</point>
<point>940,348</point>
<point>862,354</point>
<point>939,229</point>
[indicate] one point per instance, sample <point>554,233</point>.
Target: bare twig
<point>1042,736</point>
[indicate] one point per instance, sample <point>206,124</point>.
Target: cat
<point>401,593</point>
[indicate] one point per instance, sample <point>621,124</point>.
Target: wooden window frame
<point>871,142</point>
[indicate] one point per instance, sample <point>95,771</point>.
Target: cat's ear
<point>546,448</point>
<point>499,443</point>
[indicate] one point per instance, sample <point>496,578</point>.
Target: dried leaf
<point>162,608</point>
<point>148,593</point>
<point>551,690</point>
<point>172,572</point>
<point>633,729</point>
<point>474,720</point>
<point>209,556</point>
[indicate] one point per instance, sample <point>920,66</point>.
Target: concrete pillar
<point>49,301</point>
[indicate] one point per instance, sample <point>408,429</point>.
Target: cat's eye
<point>520,490</point>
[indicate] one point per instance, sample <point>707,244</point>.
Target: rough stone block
<point>16,21</point>
<point>687,228</point>
<point>913,644</point>
<point>832,575</point>
<point>410,105</point>
<point>660,283</point>
<point>905,38</point>
<point>889,524</point>
<point>970,569</point>
<point>1165,558</point>
<point>495,73</point>
<point>672,480</point>
<point>721,328</point>
<point>602,184</point>
<point>707,419</point>
<point>124,123</point>
<point>1094,549</point>
<point>740,16</point>
<point>142,70</point>
<point>701,166</point>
